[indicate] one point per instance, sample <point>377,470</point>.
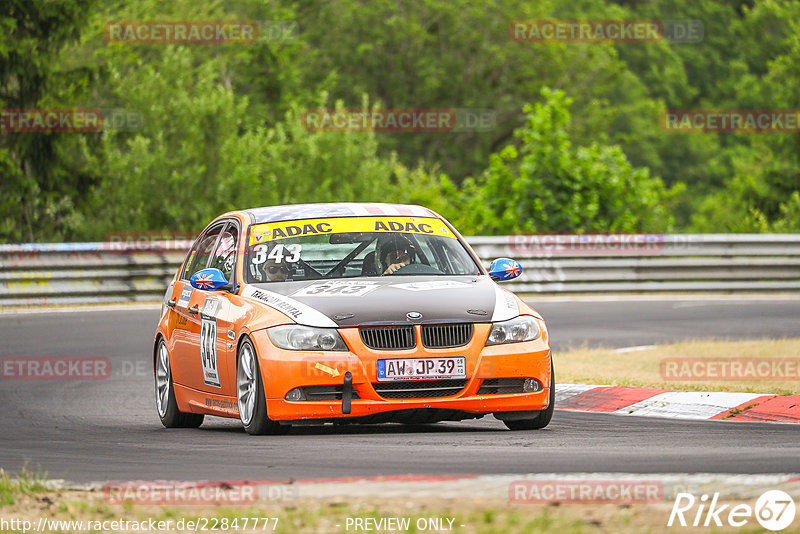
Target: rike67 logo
<point>774,510</point>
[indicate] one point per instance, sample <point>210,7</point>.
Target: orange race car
<point>346,313</point>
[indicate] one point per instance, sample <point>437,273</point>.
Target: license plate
<point>422,369</point>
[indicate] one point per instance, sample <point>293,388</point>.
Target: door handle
<point>194,310</point>
<point>171,303</point>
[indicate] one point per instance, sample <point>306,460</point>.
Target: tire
<point>166,405</point>
<point>544,417</point>
<point>250,397</point>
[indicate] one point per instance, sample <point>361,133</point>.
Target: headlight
<point>522,328</point>
<point>297,337</point>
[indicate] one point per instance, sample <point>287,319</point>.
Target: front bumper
<point>284,370</point>
<point>282,410</point>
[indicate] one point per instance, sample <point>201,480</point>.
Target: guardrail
<point>77,273</point>
<point>83,273</point>
<point>649,263</point>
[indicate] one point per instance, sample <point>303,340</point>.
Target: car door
<point>216,348</point>
<point>185,321</point>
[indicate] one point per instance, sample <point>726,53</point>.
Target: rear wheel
<point>166,405</point>
<point>544,417</point>
<point>250,394</point>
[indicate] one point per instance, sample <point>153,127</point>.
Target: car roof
<point>292,212</point>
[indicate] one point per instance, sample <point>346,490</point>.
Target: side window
<point>189,259</point>
<point>224,257</point>
<point>198,257</point>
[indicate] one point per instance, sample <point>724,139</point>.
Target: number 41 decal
<point>208,351</point>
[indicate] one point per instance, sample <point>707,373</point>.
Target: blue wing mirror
<point>505,269</point>
<point>209,279</point>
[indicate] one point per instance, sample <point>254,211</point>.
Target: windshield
<point>353,247</point>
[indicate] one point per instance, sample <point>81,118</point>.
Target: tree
<point>38,189</point>
<point>549,185</point>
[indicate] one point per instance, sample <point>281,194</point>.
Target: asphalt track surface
<point>104,430</point>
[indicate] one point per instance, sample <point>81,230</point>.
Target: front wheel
<point>250,394</point>
<point>166,405</point>
<point>544,417</point>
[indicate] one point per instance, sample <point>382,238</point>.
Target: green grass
<point>24,483</point>
<point>584,365</point>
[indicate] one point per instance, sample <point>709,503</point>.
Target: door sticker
<point>301,313</point>
<point>210,308</point>
<point>208,351</point>
<point>186,296</point>
<point>505,304</point>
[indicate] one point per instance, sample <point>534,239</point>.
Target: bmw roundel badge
<point>413,316</point>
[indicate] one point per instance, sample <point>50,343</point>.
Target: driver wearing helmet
<point>394,253</point>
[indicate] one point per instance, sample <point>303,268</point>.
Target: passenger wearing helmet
<point>394,253</point>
